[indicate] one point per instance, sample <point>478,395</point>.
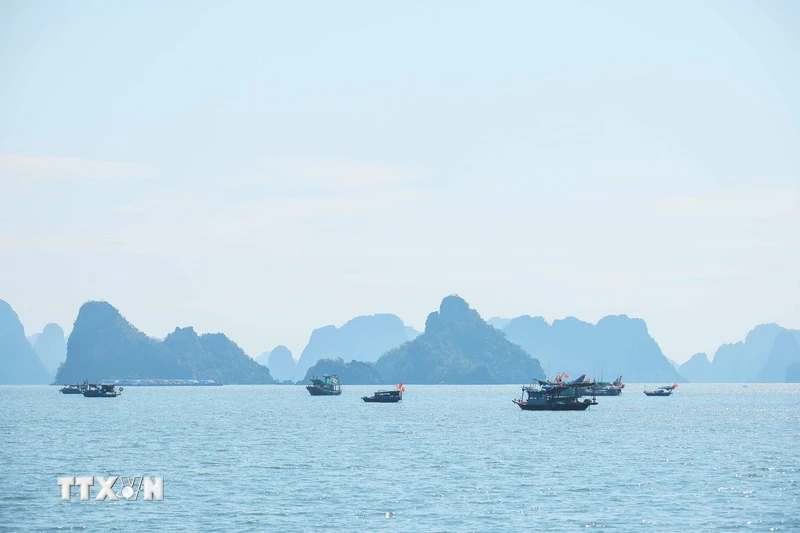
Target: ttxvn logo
<point>129,487</point>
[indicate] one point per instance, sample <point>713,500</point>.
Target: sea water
<point>446,458</point>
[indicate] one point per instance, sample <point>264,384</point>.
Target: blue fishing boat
<point>327,386</point>
<point>77,388</point>
<point>105,390</point>
<point>386,396</point>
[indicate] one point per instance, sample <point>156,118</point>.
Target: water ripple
<point>448,458</point>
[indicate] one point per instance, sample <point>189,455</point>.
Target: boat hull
<point>316,391</point>
<point>555,406</point>
<point>606,392</point>
<point>71,391</point>
<point>94,394</point>
<point>649,393</point>
<point>372,399</point>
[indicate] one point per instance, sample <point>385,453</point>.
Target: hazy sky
<point>264,169</point>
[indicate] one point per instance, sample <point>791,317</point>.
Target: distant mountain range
<point>364,338</point>
<point>103,345</point>
<point>697,369</point>
<point>457,347</point>
<point>353,372</point>
<point>765,355</point>
<point>19,363</point>
<point>51,347</point>
<point>280,362</point>
<point>615,345</point>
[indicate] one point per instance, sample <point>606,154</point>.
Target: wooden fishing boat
<point>327,386</point>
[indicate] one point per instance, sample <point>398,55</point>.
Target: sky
<point>267,168</point>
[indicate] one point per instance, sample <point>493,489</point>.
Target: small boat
<point>555,396</point>
<point>386,396</point>
<point>604,388</point>
<point>78,388</point>
<point>105,390</point>
<point>666,390</point>
<point>327,386</point>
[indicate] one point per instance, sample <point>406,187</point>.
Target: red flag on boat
<point>400,387</point>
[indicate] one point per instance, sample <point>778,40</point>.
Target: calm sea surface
<point>447,458</point>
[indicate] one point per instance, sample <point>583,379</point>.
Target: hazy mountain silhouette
<point>784,353</point>
<point>280,362</point>
<point>458,347</point>
<point>364,338</point>
<point>793,373</point>
<point>51,347</point>
<point>352,373</point>
<point>697,369</point>
<point>19,364</point>
<point>103,345</point>
<point>616,345</point>
<point>743,361</point>
<point>498,323</point>
<point>215,356</point>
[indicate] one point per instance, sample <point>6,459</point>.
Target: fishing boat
<point>386,396</point>
<point>327,386</point>
<point>666,390</point>
<point>105,390</point>
<point>604,388</point>
<point>555,396</point>
<point>77,388</point>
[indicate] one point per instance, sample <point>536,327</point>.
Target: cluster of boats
<point>329,386</point>
<point>93,390</point>
<point>558,395</point>
<point>562,395</point>
<point>543,395</point>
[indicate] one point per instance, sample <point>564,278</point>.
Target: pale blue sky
<point>263,169</point>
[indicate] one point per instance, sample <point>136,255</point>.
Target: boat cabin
<point>104,390</point>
